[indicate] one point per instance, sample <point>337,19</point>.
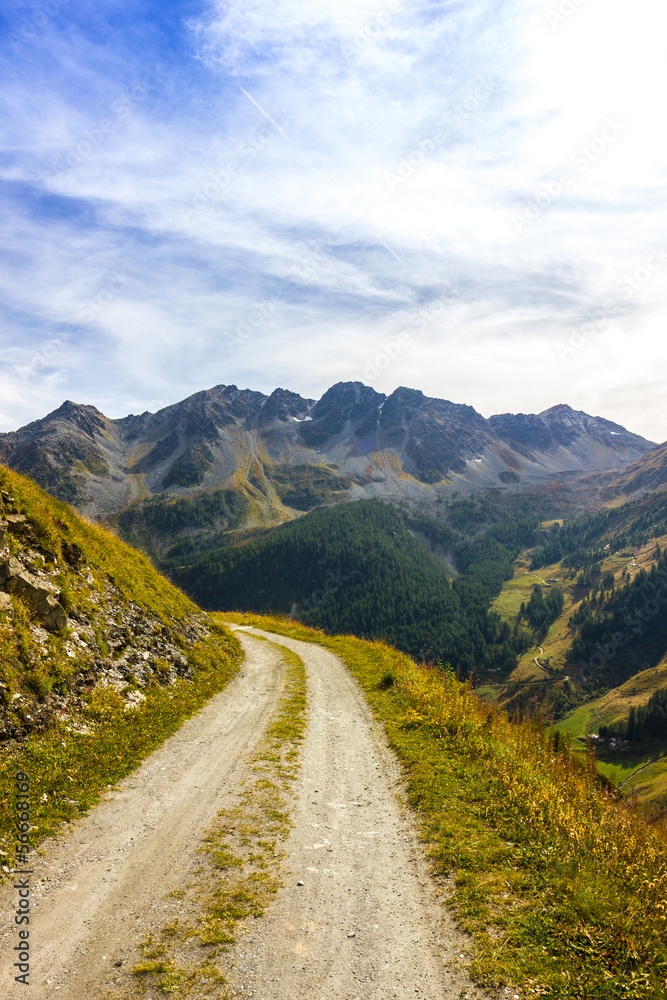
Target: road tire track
<point>100,887</point>
<point>358,917</point>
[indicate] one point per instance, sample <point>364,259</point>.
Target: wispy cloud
<point>361,165</point>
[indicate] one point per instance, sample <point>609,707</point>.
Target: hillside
<point>94,645</point>
<point>604,654</point>
<point>359,568</point>
<point>646,473</point>
<point>226,458</point>
<point>549,871</point>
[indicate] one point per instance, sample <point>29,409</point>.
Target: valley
<point>510,640</point>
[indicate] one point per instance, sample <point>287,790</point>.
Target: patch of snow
<point>301,420</point>
<point>615,433</point>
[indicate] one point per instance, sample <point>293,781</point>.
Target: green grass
<point>563,888</point>
<point>577,723</point>
<point>132,573</point>
<point>515,592</point>
<point>619,763</point>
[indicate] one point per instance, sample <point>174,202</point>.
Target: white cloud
<point>410,139</point>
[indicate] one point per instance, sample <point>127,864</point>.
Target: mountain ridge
<point>360,443</point>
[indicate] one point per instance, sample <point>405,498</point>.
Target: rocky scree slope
<point>646,474</point>
<point>266,459</point>
<point>79,612</point>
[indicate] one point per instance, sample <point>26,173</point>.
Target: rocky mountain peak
<point>84,416</point>
<point>282,405</point>
<point>350,407</point>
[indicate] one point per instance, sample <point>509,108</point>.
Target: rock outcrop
<point>91,636</point>
<point>16,579</point>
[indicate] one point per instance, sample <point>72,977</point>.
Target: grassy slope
<point>560,635</point>
<point>620,763</point>
<point>98,740</point>
<point>614,704</point>
<point>563,888</point>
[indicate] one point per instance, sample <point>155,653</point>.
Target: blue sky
<point>464,197</point>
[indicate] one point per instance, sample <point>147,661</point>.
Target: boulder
<point>3,532</point>
<point>51,614</point>
<point>5,602</point>
<point>19,524</point>
<point>10,569</point>
<point>15,579</point>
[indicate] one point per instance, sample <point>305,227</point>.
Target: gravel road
<point>101,886</point>
<point>358,915</point>
<point>358,918</point>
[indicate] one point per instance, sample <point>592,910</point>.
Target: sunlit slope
<point>101,657</point>
<point>550,873</point>
<point>612,552</point>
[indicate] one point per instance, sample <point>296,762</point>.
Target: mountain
<point>242,458</point>
<point>647,473</point>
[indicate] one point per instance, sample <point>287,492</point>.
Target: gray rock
<point>5,602</point>
<point>18,524</point>
<point>3,532</point>
<point>10,569</point>
<point>51,614</point>
<point>15,579</point>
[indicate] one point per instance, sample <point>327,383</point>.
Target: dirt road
<point>365,921</point>
<point>101,886</point>
<point>365,924</point>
